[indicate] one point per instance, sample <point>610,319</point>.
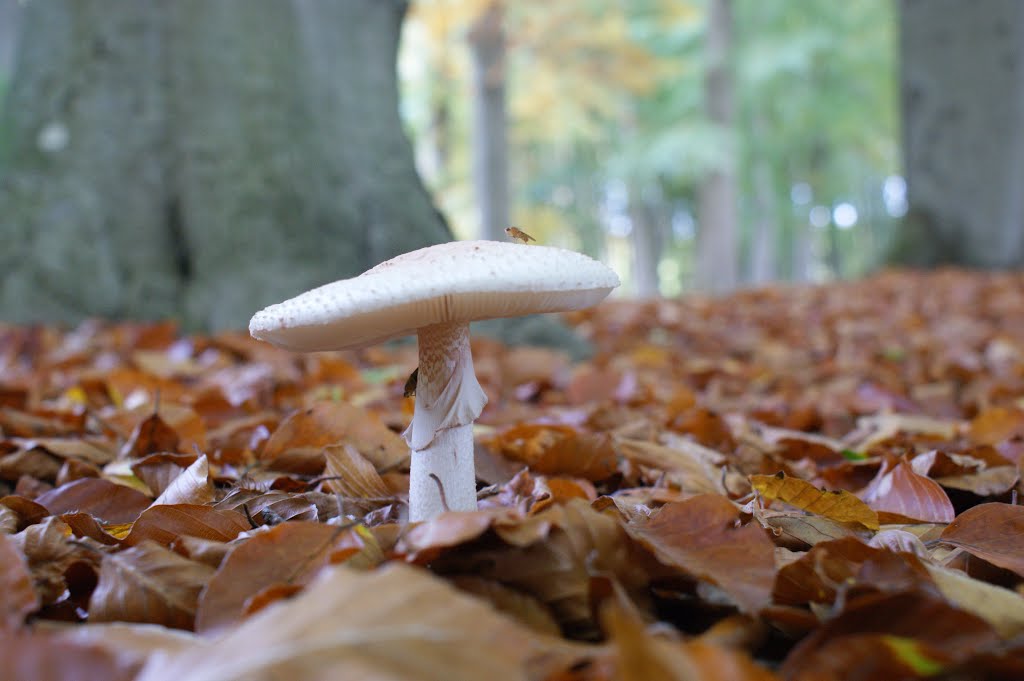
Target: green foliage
<point>815,103</point>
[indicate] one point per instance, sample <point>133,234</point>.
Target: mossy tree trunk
<point>962,91</point>
<point>202,159</point>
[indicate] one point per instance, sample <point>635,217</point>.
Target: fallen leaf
<point>558,450</point>
<point>838,505</point>
<point>52,558</point>
<point>701,537</point>
<point>694,471</point>
<point>103,499</point>
<point>992,532</point>
<point>148,583</point>
<point>1001,608</point>
<point>19,594</point>
<point>903,494</point>
<point>352,476</point>
<point>394,623</point>
<point>846,565</point>
<point>290,553</point>
<point>279,506</point>
<point>296,446</point>
<point>192,486</point>
<point>165,523</point>
<point>553,556</point>
<point>151,435</point>
<point>996,424</point>
<point>32,655</point>
<point>158,471</point>
<point>948,634</point>
<point>640,655</point>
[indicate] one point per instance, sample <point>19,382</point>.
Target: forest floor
<point>791,483</point>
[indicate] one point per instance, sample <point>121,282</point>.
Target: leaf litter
<point>788,483</point>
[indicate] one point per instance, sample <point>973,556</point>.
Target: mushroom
<point>436,292</point>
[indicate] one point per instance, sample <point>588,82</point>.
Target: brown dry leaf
<point>996,424</point>
<point>424,541</point>
<point>701,537</point>
<point>351,475</point>
<point>642,656</point>
<point>46,656</point>
<point>19,595</point>
<point>558,450</point>
<point>192,486</point>
<point>165,523</point>
<point>921,617</point>
<point>296,446</point>
<point>148,583</point>
<point>519,606</point>
<point>40,423</point>
<point>1001,608</point>
<point>553,556</point>
<point>872,430</point>
<point>992,532</point>
<point>51,557</point>
<point>103,499</point>
<point>986,483</point>
<point>989,476</point>
<point>130,643</point>
<point>94,451</point>
<point>8,520</point>
<point>810,529</point>
<point>394,623</point>
<point>151,435</point>
<point>903,494</point>
<point>84,525</point>
<point>688,470</point>
<point>279,505</point>
<point>158,471</point>
<point>838,505</point>
<point>847,564</point>
<point>289,553</point>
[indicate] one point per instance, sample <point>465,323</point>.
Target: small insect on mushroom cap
<point>518,235</point>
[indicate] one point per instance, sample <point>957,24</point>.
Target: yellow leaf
<point>837,505</point>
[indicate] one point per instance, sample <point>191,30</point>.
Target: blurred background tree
<point>200,160</point>
<point>249,149</point>
<point>962,76</point>
<point>615,137</point>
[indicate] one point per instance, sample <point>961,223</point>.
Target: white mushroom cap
<point>460,281</point>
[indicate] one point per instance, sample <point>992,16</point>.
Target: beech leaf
<point>838,505</point>
<point>398,622</point>
<point>700,536</point>
<point>19,594</point>
<point>148,583</point>
<point>992,532</point>
<point>165,523</point>
<point>903,494</point>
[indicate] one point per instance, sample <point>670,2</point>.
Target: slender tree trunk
<point>762,250</point>
<point>962,91</point>
<point>202,159</point>
<point>646,247</point>
<point>717,210</point>
<point>9,16</point>
<point>490,124</point>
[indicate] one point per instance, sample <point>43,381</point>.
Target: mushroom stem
<point>448,400</point>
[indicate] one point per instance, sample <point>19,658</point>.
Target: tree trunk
<point>9,15</point>
<point>762,249</point>
<point>717,212</point>
<point>646,247</point>
<point>202,159</point>
<point>962,90</point>
<point>490,143</point>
